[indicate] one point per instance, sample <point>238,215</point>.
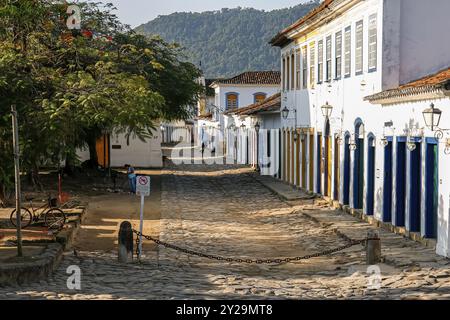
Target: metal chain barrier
<point>351,243</point>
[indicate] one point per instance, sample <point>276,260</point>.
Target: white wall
<point>139,154</point>
<point>425,44</point>
<point>246,93</point>
<point>407,32</point>
<point>402,116</point>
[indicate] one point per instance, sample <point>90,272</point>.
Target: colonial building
<point>232,94</point>
<point>116,150</point>
<point>254,135</point>
<point>344,139</point>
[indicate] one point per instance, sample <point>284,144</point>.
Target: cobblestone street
<point>224,210</point>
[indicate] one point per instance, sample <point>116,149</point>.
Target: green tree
<point>70,88</point>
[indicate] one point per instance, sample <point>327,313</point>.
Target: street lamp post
<point>15,127</point>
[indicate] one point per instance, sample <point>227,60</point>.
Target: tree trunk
<point>93,159</point>
<point>68,168</point>
<point>3,199</point>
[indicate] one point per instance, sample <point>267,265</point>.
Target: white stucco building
<point>232,94</point>
<point>368,153</point>
<point>116,150</point>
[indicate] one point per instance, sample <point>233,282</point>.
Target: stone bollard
<point>373,248</point>
<point>125,242</point>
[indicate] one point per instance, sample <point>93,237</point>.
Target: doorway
<point>304,168</point>
<point>346,188</point>
<point>400,183</point>
<point>319,164</point>
<point>387,183</point>
<point>358,166</point>
<point>415,187</point>
<point>370,175</point>
<point>327,161</point>
<point>431,189</point>
<point>337,158</point>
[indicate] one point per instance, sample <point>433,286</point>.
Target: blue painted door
<point>400,186</point>
<point>347,171</point>
<point>370,178</point>
<point>431,190</point>
<point>358,175</point>
<point>387,185</point>
<point>415,186</point>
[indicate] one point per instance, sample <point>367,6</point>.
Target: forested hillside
<point>229,41</point>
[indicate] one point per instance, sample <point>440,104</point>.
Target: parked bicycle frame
<point>54,218</point>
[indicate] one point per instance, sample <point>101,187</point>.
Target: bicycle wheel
<point>26,218</point>
<point>55,219</point>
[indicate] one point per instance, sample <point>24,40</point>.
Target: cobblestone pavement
<point>223,210</point>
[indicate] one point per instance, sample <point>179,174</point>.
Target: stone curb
<point>27,272</point>
<point>358,214</point>
<point>268,185</point>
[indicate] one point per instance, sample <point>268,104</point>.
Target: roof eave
<point>405,95</point>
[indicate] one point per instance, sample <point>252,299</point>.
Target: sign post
<point>142,190</point>
<point>17,179</point>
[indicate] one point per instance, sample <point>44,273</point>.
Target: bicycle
<point>54,218</point>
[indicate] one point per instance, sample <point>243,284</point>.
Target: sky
<point>136,12</point>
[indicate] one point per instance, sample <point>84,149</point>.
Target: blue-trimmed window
<point>259,97</point>
<point>232,100</point>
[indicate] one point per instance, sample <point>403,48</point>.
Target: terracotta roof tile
<point>280,38</point>
<point>272,103</point>
<point>207,116</point>
<point>429,83</point>
<point>253,77</point>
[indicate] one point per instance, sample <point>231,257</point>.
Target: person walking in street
<point>203,149</point>
<point>131,178</point>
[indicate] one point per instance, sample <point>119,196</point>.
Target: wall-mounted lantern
<point>285,113</point>
<point>432,117</point>
<point>257,127</point>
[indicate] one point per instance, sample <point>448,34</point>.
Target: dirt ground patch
<point>106,212</point>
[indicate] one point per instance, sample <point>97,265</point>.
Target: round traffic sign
<point>143,181</point>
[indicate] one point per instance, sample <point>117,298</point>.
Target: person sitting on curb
<point>131,178</point>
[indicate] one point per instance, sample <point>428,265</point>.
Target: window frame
<point>304,72</point>
<point>312,64</point>
<point>347,51</point>
<point>292,71</point>
<point>288,76</point>
<point>259,94</point>
<point>328,59</point>
<point>372,50</point>
<point>338,56</point>
<point>320,61</point>
<point>359,32</point>
<point>227,100</point>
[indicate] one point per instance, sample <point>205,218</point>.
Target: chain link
<point>351,243</point>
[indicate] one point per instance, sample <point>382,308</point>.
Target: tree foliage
<point>229,41</point>
<point>71,87</point>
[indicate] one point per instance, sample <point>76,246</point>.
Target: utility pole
<point>17,178</point>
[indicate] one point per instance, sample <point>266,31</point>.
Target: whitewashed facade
<point>342,52</point>
<point>230,94</point>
